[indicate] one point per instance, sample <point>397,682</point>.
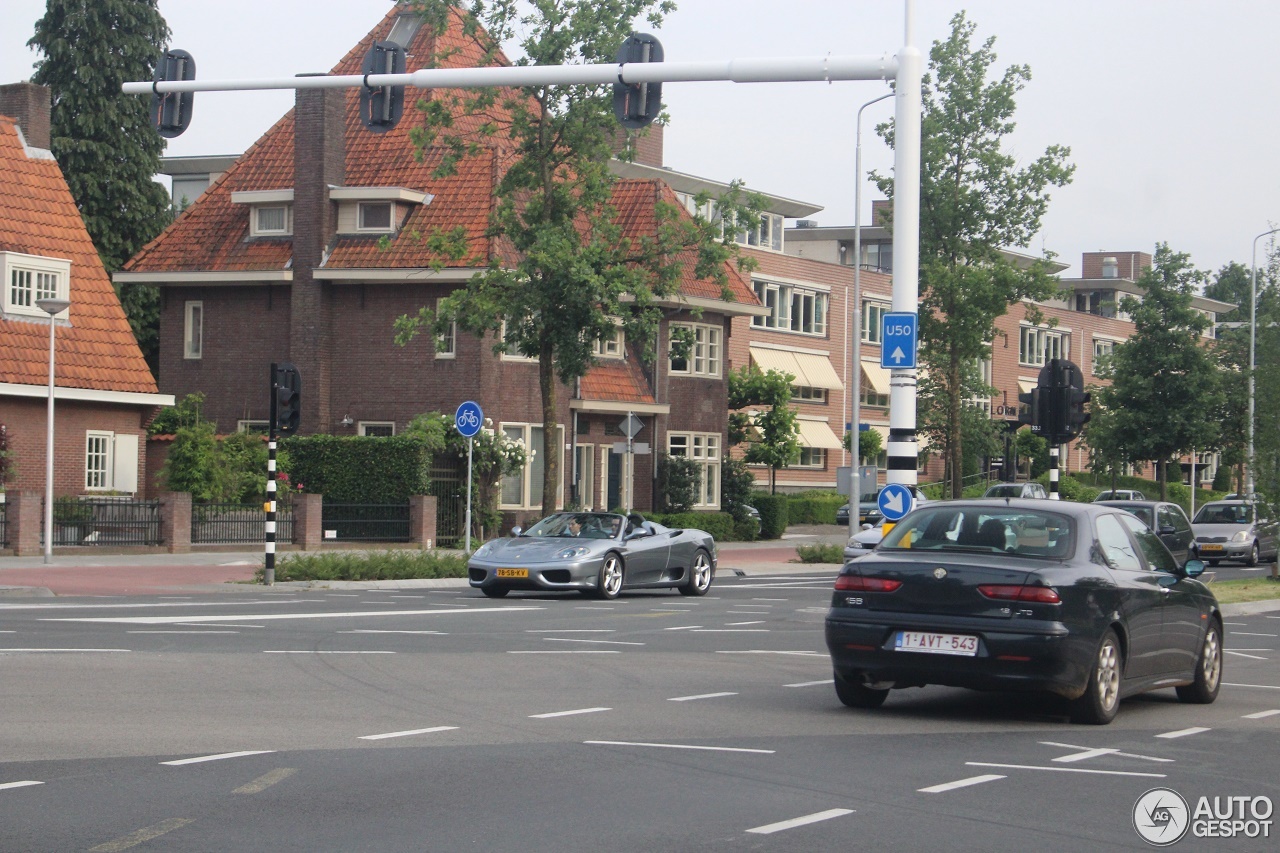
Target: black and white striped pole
<point>269,566</point>
<point>1053,470</point>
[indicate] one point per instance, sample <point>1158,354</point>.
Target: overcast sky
<point>1169,108</point>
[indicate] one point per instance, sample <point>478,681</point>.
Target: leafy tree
<point>575,270</point>
<point>1232,284</point>
<point>1029,448</point>
<point>736,485</point>
<point>1267,392</point>
<point>770,435</point>
<point>974,201</point>
<point>6,457</point>
<point>678,481</point>
<point>869,444</point>
<point>103,138</point>
<point>1164,379</point>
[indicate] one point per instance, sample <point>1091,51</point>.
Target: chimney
<point>1110,268</point>
<point>881,211</point>
<point>319,162</point>
<point>28,105</point>
<point>646,143</point>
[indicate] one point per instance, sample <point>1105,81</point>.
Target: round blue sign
<point>468,419</point>
<point>895,501</point>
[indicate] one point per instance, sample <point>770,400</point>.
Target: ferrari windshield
<point>585,525</point>
<point>984,529</point>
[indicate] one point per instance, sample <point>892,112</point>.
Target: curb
<point>25,592</point>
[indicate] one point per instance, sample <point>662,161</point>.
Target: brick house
<point>304,250</point>
<point>105,393</point>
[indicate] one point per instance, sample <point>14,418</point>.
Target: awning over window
<point>818,434</point>
<point>809,369</point>
<point>1026,386</point>
<point>877,377</point>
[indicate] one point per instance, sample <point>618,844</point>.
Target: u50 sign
<point>898,336</point>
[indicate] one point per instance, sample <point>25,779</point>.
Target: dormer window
<point>27,279</point>
<point>272,219</point>
<point>270,211</point>
<point>374,210</point>
<point>375,216</point>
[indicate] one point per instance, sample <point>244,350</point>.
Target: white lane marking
<point>8,632</point>
<point>770,828</point>
<point>570,630</point>
<point>147,833</point>
<point>408,596</point>
<point>219,757</point>
<point>598,642</point>
<point>1121,754</point>
<point>181,632</point>
<point>174,597</point>
<point>217,625</point>
<point>1261,715</point>
<point>809,683</point>
<point>668,610</point>
<point>700,696</point>
<point>567,713</point>
<point>170,620</point>
<point>682,628</point>
<point>1081,756</point>
<point>769,652</point>
<point>1194,730</point>
<point>153,605</point>
<point>755,622</point>
<point>1249,650</point>
<point>961,783</point>
<point>343,595</point>
<point>589,607</point>
<point>730,630</point>
<point>769,599</point>
<point>567,652</point>
<point>240,563</point>
<point>1243,655</point>
<point>1235,623</point>
<point>265,781</point>
<point>1249,634</point>
<point>319,652</point>
<point>4,651</point>
<point>679,746</point>
<point>408,733</point>
<point>1259,686</point>
<point>27,784</point>
<point>1065,769</point>
<point>385,630</point>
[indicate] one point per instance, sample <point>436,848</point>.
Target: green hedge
<point>719,524</point>
<point>360,469</point>
<point>774,516</point>
<point>813,509</point>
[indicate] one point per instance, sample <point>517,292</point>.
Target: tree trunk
<point>773,480</point>
<point>954,447</point>
<point>1164,473</point>
<point>550,437</point>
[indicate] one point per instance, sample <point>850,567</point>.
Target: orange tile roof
<point>97,350</point>
<point>211,234</point>
<point>616,381</point>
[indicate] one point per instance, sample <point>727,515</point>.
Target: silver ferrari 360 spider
<point>596,553</point>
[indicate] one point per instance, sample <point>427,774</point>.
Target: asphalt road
<point>436,719</point>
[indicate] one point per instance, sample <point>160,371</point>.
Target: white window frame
<point>40,278</point>
<point>871,329</point>
<point>1102,348</point>
<point>611,347</point>
<point>98,457</point>
<point>389,228</point>
<point>706,354</point>
<point>530,492</point>
<point>262,426</point>
<point>792,308</point>
<point>1040,344</point>
<point>193,330</point>
<point>807,394</point>
<point>869,397</point>
<point>811,457</point>
<point>447,344</point>
<point>255,221</point>
<point>513,356</point>
<point>362,428</point>
<point>703,448</point>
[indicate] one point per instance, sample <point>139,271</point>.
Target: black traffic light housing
<point>286,399</point>
<point>1055,407</point>
<point>637,104</point>
<point>381,107</point>
<point>171,111</point>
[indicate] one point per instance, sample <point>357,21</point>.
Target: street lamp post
<point>52,307</point>
<point>1253,337</point>
<point>855,366</point>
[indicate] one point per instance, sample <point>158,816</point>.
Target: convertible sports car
<point>1080,600</point>
<point>595,553</point>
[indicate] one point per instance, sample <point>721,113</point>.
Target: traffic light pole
<point>269,537</point>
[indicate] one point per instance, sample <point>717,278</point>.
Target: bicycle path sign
<point>468,419</point>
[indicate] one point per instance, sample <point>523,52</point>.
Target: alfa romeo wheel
<point>853,693</point>
<point>609,582</point>
<point>1101,699</point>
<point>699,575</point>
<point>1204,689</point>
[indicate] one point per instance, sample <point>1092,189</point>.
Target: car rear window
<point>986,530</point>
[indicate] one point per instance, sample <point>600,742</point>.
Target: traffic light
<point>1029,408</point>
<point>637,104</point>
<point>382,106</point>
<point>286,398</point>
<point>1077,417</point>
<point>171,111</point>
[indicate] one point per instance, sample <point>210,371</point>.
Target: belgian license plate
<point>1210,547</point>
<point>937,644</point>
<point>513,573</point>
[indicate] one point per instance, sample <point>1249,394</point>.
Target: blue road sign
<point>895,501</point>
<point>468,419</point>
<point>899,334</point>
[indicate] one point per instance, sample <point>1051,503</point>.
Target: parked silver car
<point>1016,490</point>
<point>1234,530</point>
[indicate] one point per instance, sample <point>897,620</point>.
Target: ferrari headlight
<point>483,549</point>
<point>573,553</point>
<point>1242,536</point>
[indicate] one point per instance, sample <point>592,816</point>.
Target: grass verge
<point>1247,589</point>
<point>399,564</point>
<point>820,553</point>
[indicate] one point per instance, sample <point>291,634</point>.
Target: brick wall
<point>647,144</point>
<point>25,418</point>
<point>1129,265</point>
<point>29,105</point>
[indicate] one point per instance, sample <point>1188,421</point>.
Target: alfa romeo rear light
<point>1013,592</point>
<point>856,583</point>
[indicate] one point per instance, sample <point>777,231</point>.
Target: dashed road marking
<point>1249,634</point>
<point>26,784</point>
<point>219,757</point>
<point>770,828</point>
<point>566,652</point>
<point>381,631</point>
<point>679,746</point>
<point>409,733</point>
<point>1194,730</point>
<point>148,833</point>
<point>321,652</point>
<point>601,642</point>
<point>700,696</point>
<point>809,683</point>
<point>567,713</point>
<point>682,628</point>
<point>262,617</point>
<point>1259,686</point>
<point>265,781</point>
<point>961,783</point>
<point>823,655</point>
<point>181,632</point>
<point>1261,715</point>
<point>1243,655</point>
<point>570,631</point>
<point>4,651</point>
<point>730,630</point>
<point>1118,754</point>
<point>1086,754</point>
<point>1065,769</point>
<point>755,622</point>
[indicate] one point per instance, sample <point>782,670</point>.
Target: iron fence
<point>447,476</point>
<point>366,522</point>
<point>106,521</point>
<point>234,523</point>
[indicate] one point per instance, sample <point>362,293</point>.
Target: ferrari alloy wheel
<point>1204,689</point>
<point>1101,699</point>
<point>609,583</point>
<point>699,575</point>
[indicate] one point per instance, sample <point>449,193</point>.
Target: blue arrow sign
<point>468,419</point>
<point>899,334</point>
<point>895,501</point>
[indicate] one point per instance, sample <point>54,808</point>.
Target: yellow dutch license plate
<point>1210,547</point>
<point>513,573</point>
